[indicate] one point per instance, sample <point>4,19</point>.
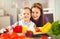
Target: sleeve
<point>33,24</point>
<point>33,28</point>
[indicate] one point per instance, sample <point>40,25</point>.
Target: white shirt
<point>30,25</point>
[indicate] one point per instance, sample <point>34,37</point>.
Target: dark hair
<point>39,6</point>
<point>28,8</point>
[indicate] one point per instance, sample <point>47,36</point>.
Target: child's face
<point>26,14</point>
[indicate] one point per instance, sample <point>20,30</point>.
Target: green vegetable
<point>55,29</point>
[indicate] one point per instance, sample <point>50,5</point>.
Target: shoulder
<point>32,23</point>
<point>20,22</point>
<point>45,19</point>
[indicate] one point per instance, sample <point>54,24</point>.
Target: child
<point>26,22</point>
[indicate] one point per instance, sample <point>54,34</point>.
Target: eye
<point>36,12</point>
<point>24,13</point>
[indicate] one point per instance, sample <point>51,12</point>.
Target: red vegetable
<point>44,37</point>
<point>5,36</point>
<point>37,29</point>
<point>17,29</point>
<point>15,36</point>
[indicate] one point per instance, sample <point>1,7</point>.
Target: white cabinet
<point>1,12</point>
<point>4,21</point>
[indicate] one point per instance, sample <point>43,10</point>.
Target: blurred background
<point>10,10</point>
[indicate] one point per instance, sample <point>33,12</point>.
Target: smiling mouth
<point>35,17</point>
<point>25,17</point>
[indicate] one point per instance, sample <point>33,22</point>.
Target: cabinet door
<point>4,21</point>
<point>50,17</point>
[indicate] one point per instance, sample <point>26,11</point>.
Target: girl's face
<point>26,14</point>
<point>36,13</point>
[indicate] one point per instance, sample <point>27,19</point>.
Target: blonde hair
<point>28,8</point>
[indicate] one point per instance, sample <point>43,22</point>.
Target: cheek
<point>32,15</point>
<point>24,16</point>
<point>38,15</point>
<point>29,16</point>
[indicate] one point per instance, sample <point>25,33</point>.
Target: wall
<point>53,5</point>
<point>57,9</point>
<point>7,6</point>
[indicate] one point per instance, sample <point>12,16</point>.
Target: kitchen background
<point>10,10</point>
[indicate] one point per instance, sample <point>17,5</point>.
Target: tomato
<point>37,29</point>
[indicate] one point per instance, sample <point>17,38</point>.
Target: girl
<point>26,22</point>
<point>37,15</point>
